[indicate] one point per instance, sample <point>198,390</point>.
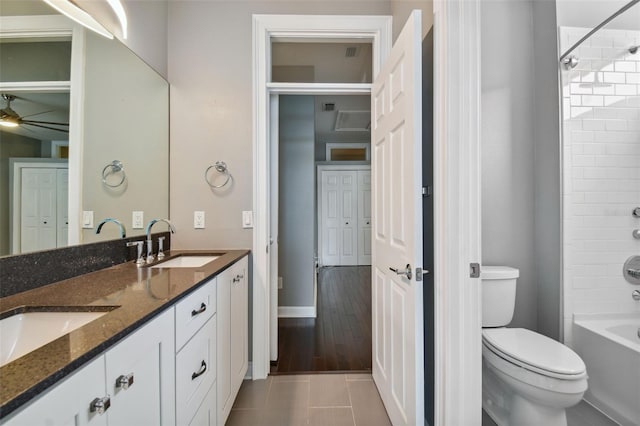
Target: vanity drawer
<point>195,371</point>
<point>194,311</point>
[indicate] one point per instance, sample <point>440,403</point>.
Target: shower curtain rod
<point>605,22</point>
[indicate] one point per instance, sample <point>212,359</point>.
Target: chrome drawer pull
<point>124,381</point>
<point>203,368</point>
<point>203,308</point>
<point>100,405</point>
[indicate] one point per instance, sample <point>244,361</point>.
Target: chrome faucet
<point>123,231</point>
<point>149,241</point>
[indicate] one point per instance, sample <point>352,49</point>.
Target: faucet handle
<point>160,247</point>
<point>139,244</point>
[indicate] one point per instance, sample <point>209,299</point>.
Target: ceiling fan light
<point>70,10</point>
<point>8,122</point>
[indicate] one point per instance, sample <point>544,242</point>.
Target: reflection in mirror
<point>121,114</point>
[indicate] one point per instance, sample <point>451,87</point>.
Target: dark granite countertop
<point>139,294</point>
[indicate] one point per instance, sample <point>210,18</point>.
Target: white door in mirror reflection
<point>43,212</point>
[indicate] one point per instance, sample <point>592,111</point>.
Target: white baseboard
<point>296,311</point>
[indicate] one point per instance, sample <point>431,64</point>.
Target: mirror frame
<point>50,26</point>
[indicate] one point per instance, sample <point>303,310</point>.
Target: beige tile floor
<point>314,400</point>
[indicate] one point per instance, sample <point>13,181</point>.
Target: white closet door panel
<point>364,217</point>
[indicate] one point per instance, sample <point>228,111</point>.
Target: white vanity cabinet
<point>196,357</point>
<point>233,334</point>
<point>145,395</point>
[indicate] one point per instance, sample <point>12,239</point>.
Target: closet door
<point>349,219</point>
<point>38,210</point>
<point>364,217</point>
<point>339,212</point>
<point>62,208</point>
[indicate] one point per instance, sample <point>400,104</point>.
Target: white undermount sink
<point>27,331</point>
<point>186,261</point>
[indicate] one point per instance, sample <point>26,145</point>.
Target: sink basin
<point>186,262</point>
<point>27,331</point>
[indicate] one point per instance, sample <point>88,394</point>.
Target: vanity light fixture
<point>118,9</point>
<point>72,11</point>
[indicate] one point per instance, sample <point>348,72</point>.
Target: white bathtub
<point>610,347</point>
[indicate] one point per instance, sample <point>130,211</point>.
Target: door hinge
<point>474,270</point>
<point>426,191</point>
<point>420,272</point>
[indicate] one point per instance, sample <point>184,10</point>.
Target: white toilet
<point>527,378</point>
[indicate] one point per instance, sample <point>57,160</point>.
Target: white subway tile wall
<point>601,171</point>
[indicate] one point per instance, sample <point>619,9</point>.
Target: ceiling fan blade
<point>37,113</point>
<point>44,122</point>
<point>46,127</point>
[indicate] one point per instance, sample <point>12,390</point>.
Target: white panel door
<point>349,218</point>
<point>364,217</point>
<point>339,211</point>
<point>62,203</point>
<point>398,350</point>
<point>38,210</point>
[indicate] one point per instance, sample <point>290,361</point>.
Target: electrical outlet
<point>87,219</point>
<point>279,283</point>
<point>247,219</point>
<point>198,220</point>
<point>137,220</point>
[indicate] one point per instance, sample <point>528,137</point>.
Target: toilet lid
<point>530,349</point>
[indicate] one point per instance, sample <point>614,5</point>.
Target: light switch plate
<point>247,219</point>
<point>198,220</point>
<point>87,219</point>
<point>137,220</point>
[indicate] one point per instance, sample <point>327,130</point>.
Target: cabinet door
<point>223,314</point>
<point>195,372</point>
<point>239,325</point>
<point>146,359</point>
<point>68,403</point>
<point>206,414</point>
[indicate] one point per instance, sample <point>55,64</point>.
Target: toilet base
<point>507,407</point>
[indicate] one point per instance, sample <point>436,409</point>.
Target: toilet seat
<point>534,352</point>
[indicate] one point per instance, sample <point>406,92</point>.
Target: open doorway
<point>323,233</point>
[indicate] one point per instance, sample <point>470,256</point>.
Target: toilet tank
<point>498,295</point>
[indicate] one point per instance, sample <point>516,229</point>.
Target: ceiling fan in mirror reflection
<point>10,118</point>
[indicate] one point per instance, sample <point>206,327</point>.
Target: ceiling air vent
<point>353,121</point>
<point>351,52</point>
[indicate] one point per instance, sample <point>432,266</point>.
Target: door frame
<point>458,369</point>
<point>457,220</point>
<point>298,27</point>
<point>55,26</point>
<point>330,167</point>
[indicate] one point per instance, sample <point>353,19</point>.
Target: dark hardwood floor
<point>339,339</point>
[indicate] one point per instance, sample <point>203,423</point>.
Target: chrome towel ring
<point>114,167</point>
<point>221,167</point>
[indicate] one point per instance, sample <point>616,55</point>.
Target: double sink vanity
<point>163,344</point>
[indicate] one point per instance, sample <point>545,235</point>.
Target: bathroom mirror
<point>117,108</point>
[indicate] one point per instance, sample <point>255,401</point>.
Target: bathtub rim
<point>598,323</point>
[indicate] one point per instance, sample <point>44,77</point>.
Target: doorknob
<point>406,272</point>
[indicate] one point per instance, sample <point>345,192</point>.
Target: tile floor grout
<point>260,404</point>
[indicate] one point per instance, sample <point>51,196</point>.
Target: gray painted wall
<point>296,201</point>
<point>210,70</point>
<point>508,147</point>
<point>521,213</point>
<point>547,198</point>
